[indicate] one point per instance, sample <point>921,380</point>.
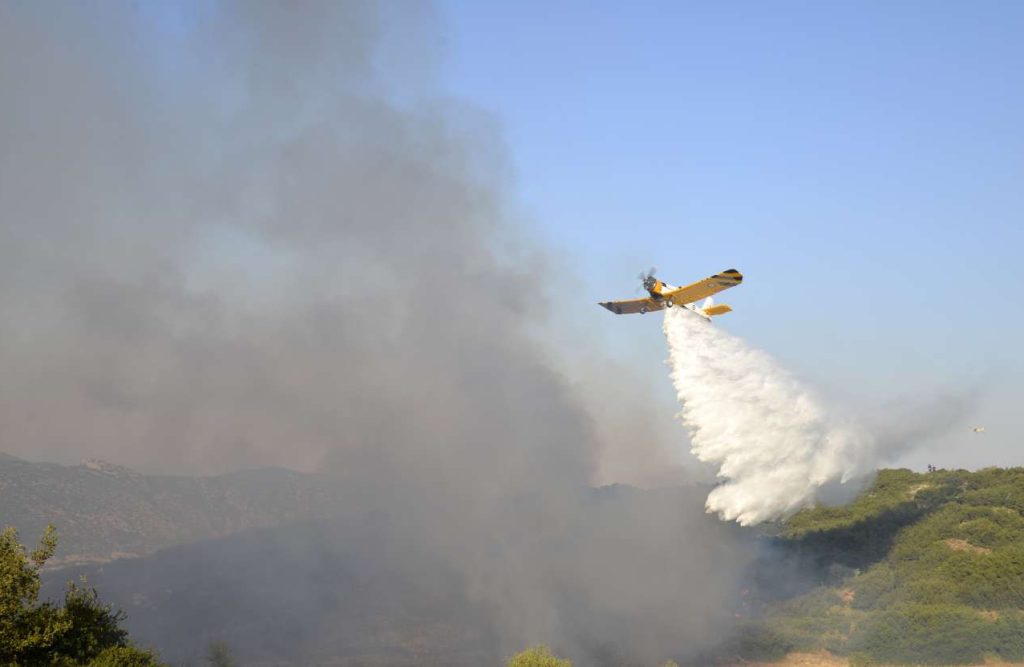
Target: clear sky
<point>862,163</point>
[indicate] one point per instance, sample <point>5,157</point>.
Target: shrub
<point>873,587</point>
<point>80,632</point>
<point>124,656</point>
<point>537,656</point>
<point>926,634</point>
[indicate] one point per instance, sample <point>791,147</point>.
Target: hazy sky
<point>225,242</point>
<point>861,162</point>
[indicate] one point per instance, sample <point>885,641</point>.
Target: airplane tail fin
<point>711,310</point>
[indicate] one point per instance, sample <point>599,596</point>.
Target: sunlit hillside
<point>920,569</point>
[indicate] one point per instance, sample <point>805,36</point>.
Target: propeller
<point>646,279</point>
<point>650,273</point>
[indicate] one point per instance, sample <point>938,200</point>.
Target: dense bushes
<point>874,588</point>
<point>537,656</point>
<point>940,580</point>
<point>939,634</point>
<point>82,631</point>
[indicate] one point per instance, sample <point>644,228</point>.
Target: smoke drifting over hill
<point>225,242</point>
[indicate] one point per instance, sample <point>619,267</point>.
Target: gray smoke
<point>257,233</point>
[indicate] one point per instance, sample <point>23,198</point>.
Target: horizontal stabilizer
<point>720,309</point>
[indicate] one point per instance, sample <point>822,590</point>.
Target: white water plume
<point>777,449</point>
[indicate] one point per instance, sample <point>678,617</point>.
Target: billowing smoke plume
<point>238,234</point>
<point>775,446</point>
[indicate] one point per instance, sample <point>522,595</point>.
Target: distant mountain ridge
<point>103,511</point>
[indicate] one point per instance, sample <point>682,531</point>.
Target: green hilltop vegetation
<point>922,568</point>
<point>82,632</point>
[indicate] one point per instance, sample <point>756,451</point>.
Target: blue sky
<point>861,162</point>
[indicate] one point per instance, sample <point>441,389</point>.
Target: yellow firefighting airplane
<point>663,295</point>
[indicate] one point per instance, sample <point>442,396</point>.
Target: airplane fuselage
<point>661,295</point>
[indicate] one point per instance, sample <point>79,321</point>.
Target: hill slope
<point>360,589</point>
<point>103,511</point>
<point>921,568</point>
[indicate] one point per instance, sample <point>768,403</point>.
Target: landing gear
<point>643,310</point>
<point>668,303</point>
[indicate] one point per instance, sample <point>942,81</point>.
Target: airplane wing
<point>633,306</point>
<point>705,288</point>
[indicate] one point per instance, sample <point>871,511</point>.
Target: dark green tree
<point>82,631</point>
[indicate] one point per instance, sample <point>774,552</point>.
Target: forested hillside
<point>920,569</point>
<point>104,511</point>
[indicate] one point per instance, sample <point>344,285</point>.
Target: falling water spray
<point>776,447</point>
